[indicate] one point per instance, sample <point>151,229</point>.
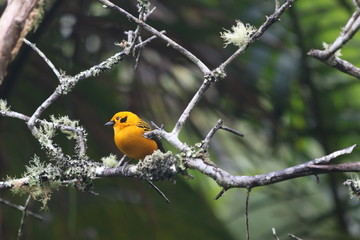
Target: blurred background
<point>290,107</point>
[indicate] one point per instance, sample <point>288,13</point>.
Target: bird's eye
<point>117,118</point>
<point>123,119</point>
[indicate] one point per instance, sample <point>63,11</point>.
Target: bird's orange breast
<point>132,143</point>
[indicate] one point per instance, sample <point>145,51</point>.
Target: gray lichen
<point>160,166</point>
<point>110,161</point>
<point>239,35</point>
<point>44,178</point>
<point>197,151</point>
<point>354,186</point>
<point>3,105</point>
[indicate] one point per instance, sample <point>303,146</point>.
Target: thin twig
<point>274,234</point>
<point>269,21</point>
<point>43,56</point>
<point>351,27</point>
<point>186,113</point>
<point>137,59</point>
<point>22,223</point>
<point>330,57</point>
<point>247,214</point>
<point>218,125</point>
<point>158,190</point>
<point>327,158</point>
<point>221,193</point>
<point>121,161</point>
<point>336,62</point>
<point>140,47</point>
<point>294,237</point>
<point>232,131</point>
<point>21,208</point>
<point>40,110</point>
<point>211,133</point>
<point>152,30</point>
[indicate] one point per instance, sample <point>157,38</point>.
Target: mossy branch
<point>40,179</point>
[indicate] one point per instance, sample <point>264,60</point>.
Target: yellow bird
<point>129,136</point>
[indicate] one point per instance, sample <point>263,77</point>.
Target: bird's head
<point>123,119</point>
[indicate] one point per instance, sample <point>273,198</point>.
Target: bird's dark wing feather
<point>158,142</point>
<point>142,124</point>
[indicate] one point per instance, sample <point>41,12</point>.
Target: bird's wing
<point>158,142</point>
<point>142,124</point>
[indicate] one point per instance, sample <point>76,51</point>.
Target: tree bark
<point>17,20</point>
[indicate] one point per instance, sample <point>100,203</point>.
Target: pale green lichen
<point>327,46</point>
<point>160,166</point>
<point>44,178</point>
<point>82,170</point>
<point>73,131</point>
<point>110,161</point>
<point>3,105</point>
<point>239,35</point>
<point>143,7</point>
<point>67,83</point>
<point>44,135</point>
<point>197,151</point>
<point>354,186</point>
<point>219,73</point>
<point>72,124</point>
<point>64,120</point>
<point>38,14</point>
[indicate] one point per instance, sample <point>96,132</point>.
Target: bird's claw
<point>122,164</point>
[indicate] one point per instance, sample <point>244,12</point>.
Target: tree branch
<point>157,33</point>
<point>266,25</point>
<point>336,62</point>
<point>42,55</point>
<point>68,82</point>
<point>21,208</point>
<point>226,180</point>
<point>223,178</point>
<point>330,55</point>
<point>22,222</point>
<point>16,21</point>
<point>77,130</point>
<point>219,72</point>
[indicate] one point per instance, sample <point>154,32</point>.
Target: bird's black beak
<point>109,123</point>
